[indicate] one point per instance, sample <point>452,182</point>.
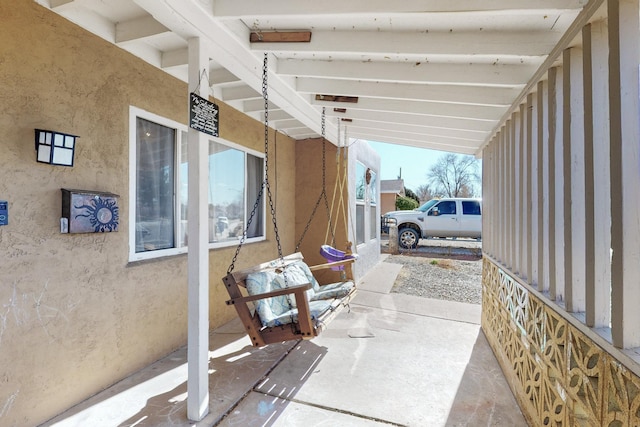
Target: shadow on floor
<point>483,397</point>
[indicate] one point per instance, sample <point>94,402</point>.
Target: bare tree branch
<point>454,175</point>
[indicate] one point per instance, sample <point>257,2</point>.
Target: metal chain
<point>265,182</point>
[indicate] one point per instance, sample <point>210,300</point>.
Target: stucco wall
<point>75,316</point>
<point>308,191</point>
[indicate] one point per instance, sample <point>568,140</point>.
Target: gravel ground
<point>439,278</point>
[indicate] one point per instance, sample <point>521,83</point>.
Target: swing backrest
<point>285,311</point>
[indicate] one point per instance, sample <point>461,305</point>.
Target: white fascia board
<point>418,107</point>
<point>260,8</point>
<point>495,44</point>
<point>454,134</point>
<point>419,143</point>
<point>474,95</point>
<point>423,72</point>
<point>419,120</point>
<point>416,136</point>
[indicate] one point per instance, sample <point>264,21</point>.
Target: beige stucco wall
<point>75,316</point>
<point>308,191</point>
<point>387,202</point>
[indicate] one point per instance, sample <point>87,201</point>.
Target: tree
<point>425,193</point>
<point>454,175</point>
<point>406,204</point>
<point>410,194</point>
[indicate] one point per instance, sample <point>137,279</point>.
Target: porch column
<point>530,228</point>
<point>542,188</point>
<point>522,191</point>
<point>511,193</point>
<point>573,162</point>
<point>556,193</point>
<point>598,215</point>
<point>513,237</point>
<point>502,185</point>
<point>198,257</point>
<point>519,192</point>
<point>624,32</point>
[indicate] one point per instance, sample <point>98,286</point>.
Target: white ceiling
<point>439,74</point>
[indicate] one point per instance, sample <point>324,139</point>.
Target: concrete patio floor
<point>392,359</point>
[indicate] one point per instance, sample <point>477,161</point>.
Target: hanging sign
<point>203,115</point>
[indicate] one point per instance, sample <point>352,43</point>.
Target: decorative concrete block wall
<point>559,375</point>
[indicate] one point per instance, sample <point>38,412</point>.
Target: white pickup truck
<point>455,217</point>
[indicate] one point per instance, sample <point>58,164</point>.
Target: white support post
<point>198,257</point>
<point>543,182</point>
<point>530,248</point>
<point>500,168</point>
<point>513,240</point>
<point>600,315</point>
<point>624,57</point>
<point>541,199</point>
<point>556,176</point>
<point>574,217</point>
<point>517,191</point>
<point>504,196</point>
<point>486,185</point>
<point>522,206</point>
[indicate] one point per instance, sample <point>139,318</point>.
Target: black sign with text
<point>203,115</point>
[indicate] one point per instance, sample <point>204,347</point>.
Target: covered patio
<point>389,360</point>
<point>546,92</point>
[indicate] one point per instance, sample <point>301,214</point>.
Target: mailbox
<point>85,211</point>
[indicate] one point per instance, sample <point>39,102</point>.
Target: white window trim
<point>134,113</point>
<point>248,204</point>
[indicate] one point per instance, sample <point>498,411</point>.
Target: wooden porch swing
<point>281,300</point>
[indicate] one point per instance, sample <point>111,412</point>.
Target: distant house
<point>390,190</point>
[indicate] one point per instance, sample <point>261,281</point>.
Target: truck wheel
<point>408,238</point>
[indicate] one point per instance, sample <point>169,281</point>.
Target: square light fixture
<point>55,148</point>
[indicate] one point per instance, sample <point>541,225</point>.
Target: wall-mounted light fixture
<point>55,148</point>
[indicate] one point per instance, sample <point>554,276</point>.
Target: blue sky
<point>415,162</point>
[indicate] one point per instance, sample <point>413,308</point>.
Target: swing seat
<point>281,300</point>
<point>332,254</point>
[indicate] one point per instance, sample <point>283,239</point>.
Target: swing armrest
<point>297,290</point>
<point>332,264</point>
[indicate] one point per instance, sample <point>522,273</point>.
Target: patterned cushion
<point>307,272</point>
<point>334,290</point>
<point>282,310</point>
<point>268,308</point>
<point>315,307</point>
<point>293,275</point>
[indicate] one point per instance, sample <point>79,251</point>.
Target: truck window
<point>447,208</point>
<point>471,208</point>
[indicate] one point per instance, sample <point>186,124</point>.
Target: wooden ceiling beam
<point>280,37</point>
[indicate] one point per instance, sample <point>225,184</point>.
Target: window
<point>366,200</point>
<point>235,179</point>
<point>373,212</point>
<point>447,208</point>
<point>361,188</point>
<point>159,189</point>
<point>360,181</point>
<point>471,207</point>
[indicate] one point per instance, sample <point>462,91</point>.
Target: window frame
<point>181,132</point>
<point>248,204</point>
<point>134,114</point>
